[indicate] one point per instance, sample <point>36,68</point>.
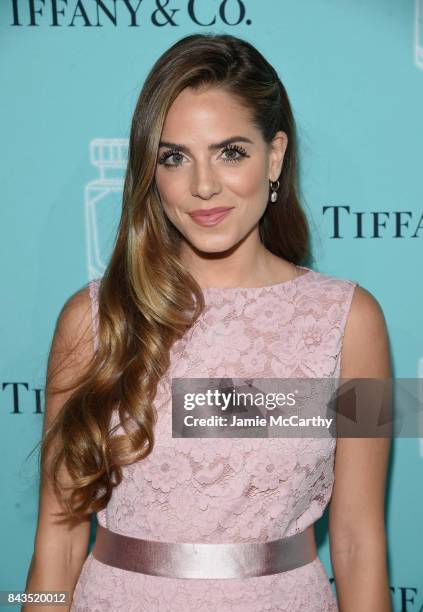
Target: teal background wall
<point>69,83</point>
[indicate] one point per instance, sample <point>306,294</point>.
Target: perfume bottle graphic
<point>418,34</point>
<point>103,200</point>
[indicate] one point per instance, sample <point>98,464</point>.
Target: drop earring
<point>274,194</point>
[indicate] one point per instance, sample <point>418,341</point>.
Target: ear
<point>277,150</point>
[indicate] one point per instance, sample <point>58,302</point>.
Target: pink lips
<point>209,217</point>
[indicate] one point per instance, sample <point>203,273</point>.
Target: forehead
<point>205,110</point>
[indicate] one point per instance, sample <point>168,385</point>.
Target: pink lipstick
<point>209,217</point>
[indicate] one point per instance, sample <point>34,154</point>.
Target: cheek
<point>250,183</point>
<point>171,188</point>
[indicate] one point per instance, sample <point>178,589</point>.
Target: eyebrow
<point>211,147</point>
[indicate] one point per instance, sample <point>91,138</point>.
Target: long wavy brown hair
<point>147,299</point>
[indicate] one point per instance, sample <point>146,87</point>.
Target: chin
<point>213,244</point>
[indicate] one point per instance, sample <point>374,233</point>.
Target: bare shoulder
<point>72,346</point>
<point>75,318</point>
<point>365,348</point>
<point>365,311</point>
<point>77,306</point>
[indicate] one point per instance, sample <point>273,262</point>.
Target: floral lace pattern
<point>231,489</point>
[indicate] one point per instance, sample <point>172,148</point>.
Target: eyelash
<point>231,147</point>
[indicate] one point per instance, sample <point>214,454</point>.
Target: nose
<point>204,183</point>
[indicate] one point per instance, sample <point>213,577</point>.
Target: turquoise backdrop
<point>70,76</point>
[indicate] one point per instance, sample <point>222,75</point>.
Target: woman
<point>191,291</point>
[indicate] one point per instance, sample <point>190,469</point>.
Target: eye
<point>164,157</point>
<point>240,151</point>
<point>236,153</point>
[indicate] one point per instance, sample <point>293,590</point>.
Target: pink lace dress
<point>231,489</point>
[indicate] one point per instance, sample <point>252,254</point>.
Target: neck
<point>246,264</point>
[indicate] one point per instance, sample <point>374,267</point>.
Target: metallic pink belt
<point>204,560</point>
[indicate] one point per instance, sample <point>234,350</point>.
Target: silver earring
<point>274,194</point>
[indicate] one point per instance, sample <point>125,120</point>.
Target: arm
<point>356,513</point>
<point>60,550</point>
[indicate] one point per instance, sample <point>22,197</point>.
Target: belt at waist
<point>204,560</point>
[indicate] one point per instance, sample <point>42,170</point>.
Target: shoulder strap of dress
<point>350,286</point>
<point>349,293</point>
<point>93,287</point>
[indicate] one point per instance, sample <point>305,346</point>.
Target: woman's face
<point>212,156</point>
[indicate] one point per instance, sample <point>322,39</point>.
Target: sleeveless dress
<point>231,489</point>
